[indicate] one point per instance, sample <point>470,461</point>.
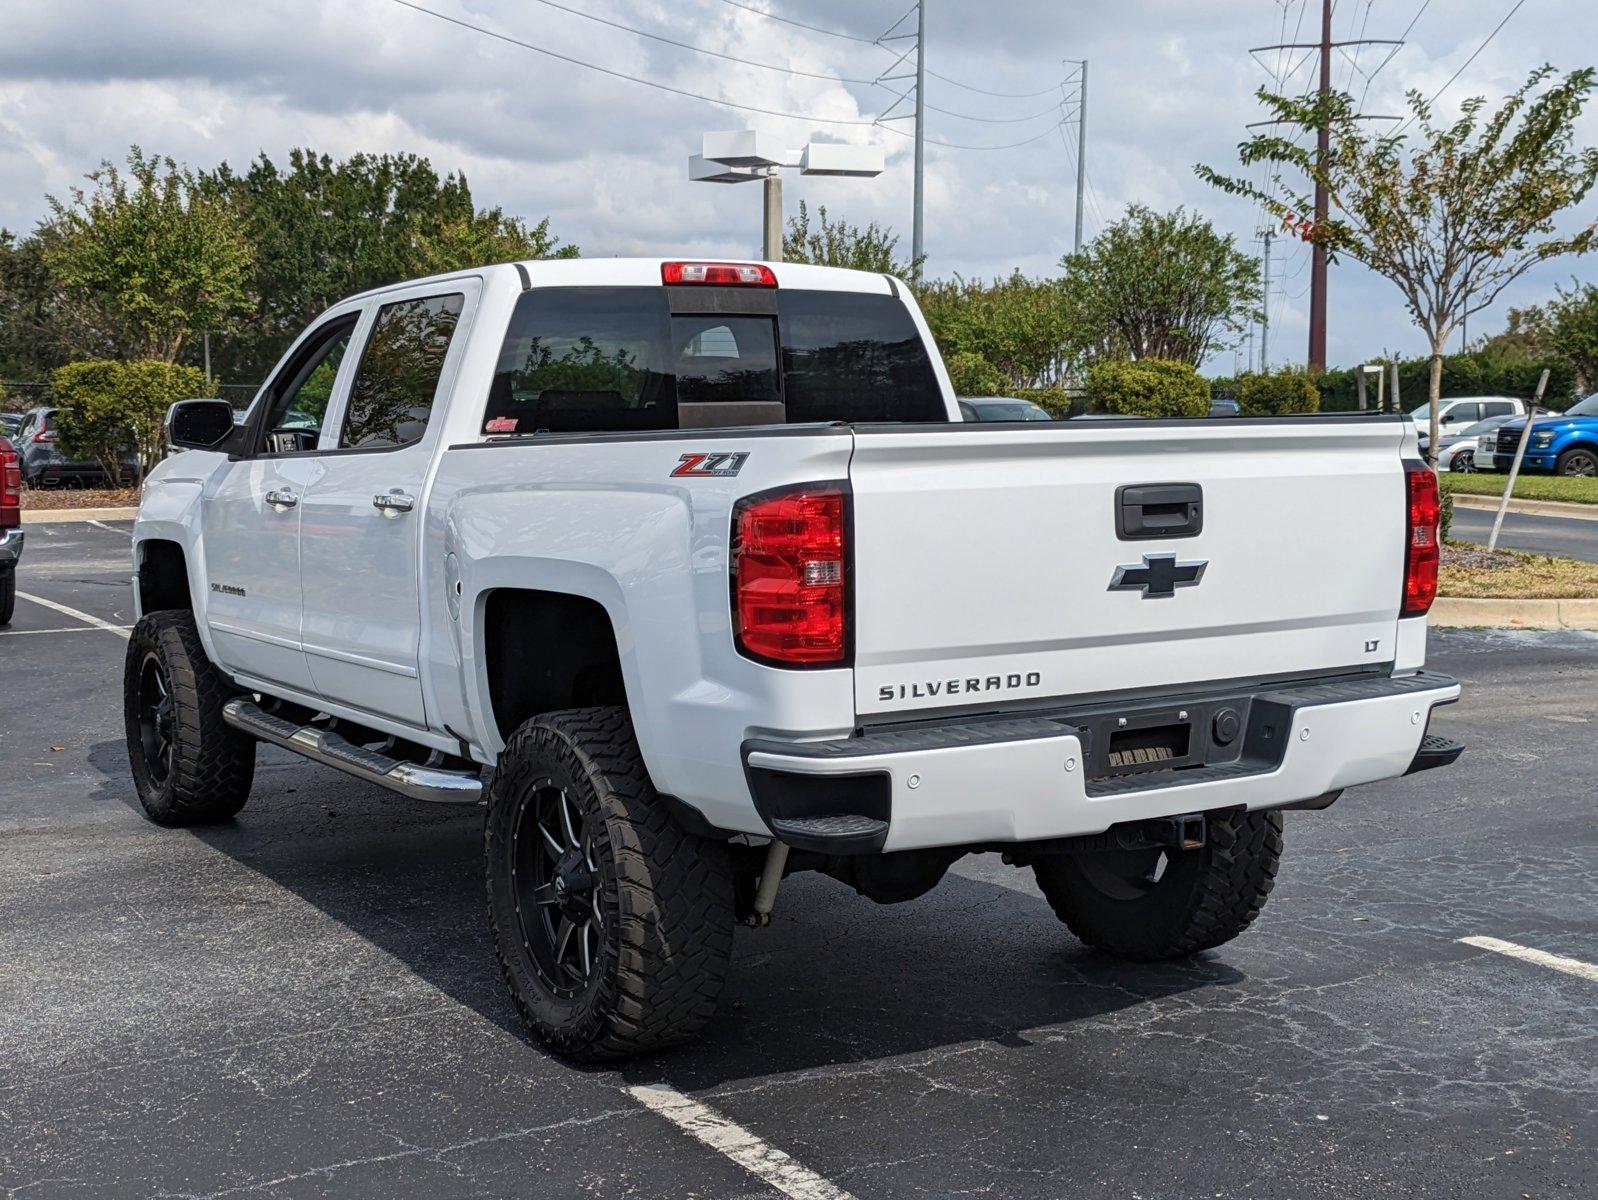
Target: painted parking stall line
<point>1554,962</point>
<point>727,1137</point>
<point>77,615</point>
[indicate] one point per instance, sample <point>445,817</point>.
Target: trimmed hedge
<point>1149,387</point>
<point>973,375</point>
<point>1277,393</point>
<point>108,408</point>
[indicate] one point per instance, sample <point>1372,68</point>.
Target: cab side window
<point>297,403</point>
<point>1497,408</point>
<point>392,394</point>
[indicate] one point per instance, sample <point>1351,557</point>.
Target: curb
<point>47,516</point>
<point>1531,508</point>
<point>1456,612</point>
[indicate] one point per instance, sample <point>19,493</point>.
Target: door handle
<point>391,504</point>
<point>1159,510</point>
<point>281,498</point>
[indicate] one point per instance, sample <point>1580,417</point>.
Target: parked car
<point>1459,411</point>
<point>1458,451</point>
<point>10,527</point>
<point>1001,408</point>
<point>10,423</point>
<point>43,463</point>
<point>1562,443</point>
<point>1223,407</point>
<point>698,558</point>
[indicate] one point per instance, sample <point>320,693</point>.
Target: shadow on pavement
<point>836,979</point>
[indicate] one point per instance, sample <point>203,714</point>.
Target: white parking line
<point>1554,962</point>
<point>63,629</point>
<point>127,533</point>
<point>86,618</point>
<point>737,1143</point>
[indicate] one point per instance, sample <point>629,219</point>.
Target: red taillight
<point>1422,551</point>
<point>718,274</point>
<point>10,487</point>
<point>789,576</point>
<point>44,435</point>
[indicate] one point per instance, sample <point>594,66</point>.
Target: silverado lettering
<point>958,687</point>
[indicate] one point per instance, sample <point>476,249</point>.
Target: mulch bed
<point>79,497</point>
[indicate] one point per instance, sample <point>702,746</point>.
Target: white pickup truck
<point>699,563</point>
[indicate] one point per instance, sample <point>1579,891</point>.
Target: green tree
<point>1572,330</point>
<point>324,229</point>
<point>1166,285</point>
<point>973,375</point>
<point>1022,327</point>
<point>1452,221</point>
<point>1150,387</point>
<point>106,409</point>
<point>829,243</point>
<point>156,249</point>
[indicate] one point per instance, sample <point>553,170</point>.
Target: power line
<point>771,16</point>
<point>1391,54</point>
<point>1466,64</point>
<point>984,91</point>
<point>664,87</point>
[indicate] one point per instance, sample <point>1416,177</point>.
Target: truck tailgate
<point>985,557</point>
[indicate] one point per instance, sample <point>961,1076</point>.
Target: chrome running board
<point>440,785</point>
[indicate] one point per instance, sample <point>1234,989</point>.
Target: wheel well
<point>163,577</point>
<point>547,651</point>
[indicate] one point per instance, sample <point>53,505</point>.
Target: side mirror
<point>199,424</point>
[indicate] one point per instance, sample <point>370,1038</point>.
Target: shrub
<point>1149,387</point>
<point>973,375</point>
<point>108,408</point>
<point>1277,393</point>
<point>1446,517</point>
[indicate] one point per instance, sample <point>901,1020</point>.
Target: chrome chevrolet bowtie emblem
<point>1160,575</point>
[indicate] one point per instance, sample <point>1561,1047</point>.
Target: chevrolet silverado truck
<point>11,536</point>
<point>692,575</point>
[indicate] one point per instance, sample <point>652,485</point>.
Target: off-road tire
<point>665,895</point>
<point>1204,897</point>
<point>8,594</point>
<point>212,764</point>
<point>1580,461</point>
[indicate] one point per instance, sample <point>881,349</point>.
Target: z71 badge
<point>699,465</point>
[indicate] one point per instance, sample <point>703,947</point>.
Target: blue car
<point>1561,443</point>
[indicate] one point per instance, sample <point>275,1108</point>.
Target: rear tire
<point>1580,461</point>
<point>8,594</point>
<point>612,924</point>
<point>189,765</point>
<point>1125,903</point>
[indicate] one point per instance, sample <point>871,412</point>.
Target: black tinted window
<point>600,359</point>
<point>849,356</point>
<point>392,393</point>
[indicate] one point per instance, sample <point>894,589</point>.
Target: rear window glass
<point>594,360</point>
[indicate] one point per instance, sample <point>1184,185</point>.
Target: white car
<point>1458,450</point>
<point>698,562</point>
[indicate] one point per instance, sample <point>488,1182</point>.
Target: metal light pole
<point>743,155</point>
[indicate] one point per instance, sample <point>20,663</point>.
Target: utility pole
<point>1265,309</point>
<point>1081,148</point>
<point>1323,145</point>
<point>916,244</point>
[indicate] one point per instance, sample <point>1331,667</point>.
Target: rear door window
<point>392,394</point>
<point>852,356</point>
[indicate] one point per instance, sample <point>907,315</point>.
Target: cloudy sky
<point>1171,83</point>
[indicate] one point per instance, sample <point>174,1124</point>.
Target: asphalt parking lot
<point>1567,536</point>
<point>303,1002</point>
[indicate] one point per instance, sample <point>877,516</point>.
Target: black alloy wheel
<point>155,719</point>
<point>554,876</point>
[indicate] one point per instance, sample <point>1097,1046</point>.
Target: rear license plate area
<point>1155,748</point>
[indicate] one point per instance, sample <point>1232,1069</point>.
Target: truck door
<point>252,515</point>
<point>361,526</point>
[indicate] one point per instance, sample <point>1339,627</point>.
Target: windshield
<point>1482,426</point>
<point>1008,410</point>
<point>1584,408</point>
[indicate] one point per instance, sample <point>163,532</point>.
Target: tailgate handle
<point>1158,510</point>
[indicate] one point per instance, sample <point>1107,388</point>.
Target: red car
<point>10,531</point>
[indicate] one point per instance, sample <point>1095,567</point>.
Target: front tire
<point>1579,461</point>
<point>1148,905</point>
<point>189,765</point>
<point>612,924</point>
